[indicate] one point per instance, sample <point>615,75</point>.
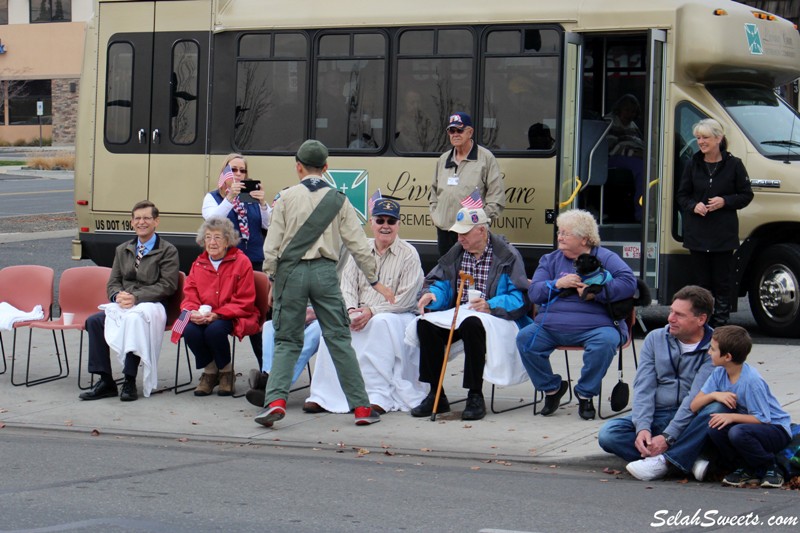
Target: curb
<point>20,237</point>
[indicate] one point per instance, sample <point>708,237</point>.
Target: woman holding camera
<point>220,293</point>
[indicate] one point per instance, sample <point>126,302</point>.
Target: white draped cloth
<point>390,367</point>
<point>10,314</point>
<point>503,362</point>
<point>140,330</point>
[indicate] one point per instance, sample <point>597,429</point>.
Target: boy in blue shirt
<point>756,428</point>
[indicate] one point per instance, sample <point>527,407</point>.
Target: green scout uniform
<point>313,279</point>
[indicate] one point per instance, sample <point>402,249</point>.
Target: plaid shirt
<point>478,269</point>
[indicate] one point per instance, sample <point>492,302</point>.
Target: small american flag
<point>374,198</point>
<point>227,174</point>
<point>179,326</point>
<point>473,201</point>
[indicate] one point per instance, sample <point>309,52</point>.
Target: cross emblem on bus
<point>753,39</point>
<point>353,183</point>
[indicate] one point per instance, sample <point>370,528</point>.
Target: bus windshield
<point>771,125</point>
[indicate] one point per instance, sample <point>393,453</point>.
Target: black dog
<point>591,271</point>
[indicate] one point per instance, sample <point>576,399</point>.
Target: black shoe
<point>256,397</point>
<point>102,389</point>
<point>426,407</point>
<point>129,392</point>
<point>475,409</point>
<point>553,401</point>
<point>258,380</point>
<point>586,409</point>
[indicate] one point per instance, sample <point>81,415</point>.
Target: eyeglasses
<point>215,238</point>
<point>237,170</point>
<point>565,234</point>
<point>381,221</point>
<point>142,219</point>
<point>454,130</point>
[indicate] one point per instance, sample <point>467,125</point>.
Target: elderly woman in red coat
<point>220,293</point>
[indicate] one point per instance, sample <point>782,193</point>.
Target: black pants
<point>432,344</point>
<point>712,270</point>
<point>446,240</point>
<point>99,353</point>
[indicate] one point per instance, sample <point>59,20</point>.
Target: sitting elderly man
<point>574,314</point>
<point>490,322</point>
<point>388,364</point>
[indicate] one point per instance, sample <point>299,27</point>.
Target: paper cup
<point>205,309</point>
<point>473,295</point>
<point>68,318</point>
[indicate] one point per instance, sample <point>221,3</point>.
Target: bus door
<point>151,113</point>
<point>618,124</point>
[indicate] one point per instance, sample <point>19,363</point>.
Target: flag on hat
<point>374,198</point>
<point>473,201</point>
<point>179,326</point>
<point>225,175</point>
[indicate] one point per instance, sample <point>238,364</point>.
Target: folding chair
<point>24,287</point>
<point>80,291</point>
<point>262,284</point>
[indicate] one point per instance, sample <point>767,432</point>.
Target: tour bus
<point>169,88</point>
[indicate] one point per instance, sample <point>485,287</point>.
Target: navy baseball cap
<point>460,120</point>
<point>386,207</point>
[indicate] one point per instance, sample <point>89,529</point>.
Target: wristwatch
<point>669,439</point>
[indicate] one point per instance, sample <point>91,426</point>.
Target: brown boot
<point>227,381</point>
<point>207,384</point>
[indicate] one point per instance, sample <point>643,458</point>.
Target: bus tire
<point>773,292</point>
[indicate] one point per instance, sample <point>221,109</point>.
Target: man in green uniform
<point>310,221</point>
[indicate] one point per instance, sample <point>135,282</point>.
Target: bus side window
<point>686,116</point>
<point>119,93</point>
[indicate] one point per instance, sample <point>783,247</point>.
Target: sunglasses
<point>239,170</point>
<point>381,221</point>
<point>455,130</point>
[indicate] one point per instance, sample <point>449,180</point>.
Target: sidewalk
<point>516,436</point>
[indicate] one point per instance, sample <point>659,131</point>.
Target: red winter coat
<point>230,291</point>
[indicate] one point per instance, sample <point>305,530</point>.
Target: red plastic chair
<point>24,287</point>
<point>80,291</point>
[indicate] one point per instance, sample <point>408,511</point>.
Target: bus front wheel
<point>773,294</point>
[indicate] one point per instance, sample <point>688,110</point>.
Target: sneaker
<point>227,383</point>
<point>256,397</point>
<point>649,468</point>
<point>475,409</point>
<point>366,416</point>
<point>426,407</point>
<point>272,413</point>
<point>553,401</point>
<point>700,468</point>
<point>586,409</point>
<point>207,384</point>
<point>738,478</point>
<point>257,379</point>
<point>773,479</point>
<point>129,392</point>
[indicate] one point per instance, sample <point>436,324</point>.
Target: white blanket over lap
<point>503,363</point>
<point>140,330</point>
<point>390,367</point>
<point>10,314</point>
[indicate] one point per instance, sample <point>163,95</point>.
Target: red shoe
<point>272,413</point>
<point>366,416</point>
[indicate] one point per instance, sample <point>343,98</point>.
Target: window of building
<point>184,86</point>
<point>51,11</point>
<point>271,92</point>
<point>350,95</point>
<point>22,99</point>
<point>520,89</point>
<point>434,78</point>
<point>3,12</point>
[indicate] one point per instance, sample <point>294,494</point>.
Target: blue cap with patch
<point>387,207</point>
<point>460,120</point>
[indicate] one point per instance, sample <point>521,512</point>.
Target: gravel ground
<point>36,223</point>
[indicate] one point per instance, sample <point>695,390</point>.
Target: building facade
<point>41,51</point>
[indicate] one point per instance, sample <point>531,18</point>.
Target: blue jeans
<point>209,342</point>
<point>600,346</point>
<point>311,337</point>
<point>755,445</point>
<point>618,436</point>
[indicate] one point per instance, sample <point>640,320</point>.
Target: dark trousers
<point>433,342</point>
<point>755,445</point>
<point>712,270</point>
<point>446,240</point>
<point>209,342</point>
<point>99,353</point>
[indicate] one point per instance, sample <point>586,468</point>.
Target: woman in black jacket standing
<point>713,187</point>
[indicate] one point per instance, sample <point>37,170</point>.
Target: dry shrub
<point>54,162</point>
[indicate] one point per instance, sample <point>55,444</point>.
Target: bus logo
<point>354,184</point>
<point>753,39</point>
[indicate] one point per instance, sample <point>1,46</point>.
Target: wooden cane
<point>464,277</point>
